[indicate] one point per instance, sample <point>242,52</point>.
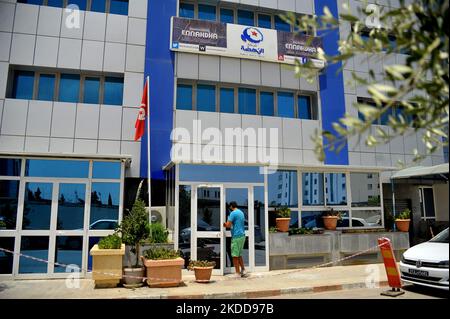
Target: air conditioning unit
<point>159,215</point>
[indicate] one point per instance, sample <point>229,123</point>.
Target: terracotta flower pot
<point>164,273</point>
<point>283,224</point>
<point>203,274</point>
<point>133,277</point>
<point>330,222</point>
<point>402,224</point>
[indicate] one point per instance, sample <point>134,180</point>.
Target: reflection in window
<point>312,219</point>
<point>209,249</point>
<point>286,106</point>
<point>227,100</point>
<point>365,191</point>
<point>267,103</point>
<point>46,87</point>
<point>206,98</point>
<point>283,189</point>
<point>187,10</point>
<point>336,189</point>
<point>6,260</point>
<point>206,12</point>
<point>105,198</point>
<point>294,219</point>
<point>218,173</point>
<point>57,168</point>
<point>208,209</point>
<point>10,167</point>
<point>113,91</point>
<point>119,7</point>
<point>34,246</point>
<point>226,15</point>
<point>246,17</point>
<point>69,251</point>
<point>91,90</point>
<point>247,101</point>
<point>313,194</point>
<point>69,88</point>
<point>240,196</point>
<point>23,85</point>
<point>37,206</point>
<point>260,226</point>
<point>71,201</point>
<point>184,97</point>
<point>366,218</point>
<point>106,170</point>
<point>264,21</point>
<point>9,194</point>
<point>305,111</point>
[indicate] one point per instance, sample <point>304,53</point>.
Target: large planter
<point>330,222</point>
<point>402,224</point>
<point>133,277</point>
<point>203,274</point>
<point>164,273</point>
<point>107,266</point>
<point>283,224</point>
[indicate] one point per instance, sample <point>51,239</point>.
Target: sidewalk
<point>274,283</point>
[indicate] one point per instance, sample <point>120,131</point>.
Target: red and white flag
<point>142,115</point>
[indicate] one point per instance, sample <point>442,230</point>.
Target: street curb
<point>265,293</point>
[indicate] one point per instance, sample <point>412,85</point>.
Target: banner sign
<point>233,40</point>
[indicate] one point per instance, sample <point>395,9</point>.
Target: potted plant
<point>202,269</point>
<point>135,228</point>
<point>163,267</point>
<point>107,258</point>
<point>330,219</point>
<point>283,219</point>
<point>403,220</point>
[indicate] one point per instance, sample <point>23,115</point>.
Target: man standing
<point>236,221</point>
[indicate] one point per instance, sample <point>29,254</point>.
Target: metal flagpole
<point>148,156</point>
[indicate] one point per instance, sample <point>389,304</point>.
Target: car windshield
<point>442,237</point>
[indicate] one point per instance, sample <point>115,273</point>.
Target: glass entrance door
<point>207,222</point>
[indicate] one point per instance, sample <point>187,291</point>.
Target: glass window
<point>69,88</point>
<point>187,10</point>
<point>184,97</point>
<point>264,21</point>
<point>105,199</point>
<point>80,3</point>
<point>247,101</point>
<point>113,91</point>
<point>98,5</point>
<point>37,2</point>
<point>10,167</point>
<point>336,189</point>
<point>119,7</point>
<point>206,12</point>
<point>366,218</point>
<point>384,118</point>
<point>282,25</point>
<point>365,191</point>
<point>206,98</point>
<point>227,100</point>
<point>184,219</point>
<point>23,85</point>
<point>56,3</point>
<point>287,195</point>
<point>69,251</point>
<point>313,194</point>
<point>218,173</point>
<point>266,100</point>
<point>286,105</point>
<point>34,246</point>
<point>106,170</point>
<point>37,206</point>
<point>46,90</point>
<point>260,226</point>
<point>91,90</point>
<point>312,219</point>
<point>226,15</point>
<point>71,200</point>
<point>9,196</point>
<point>293,223</point>
<point>208,208</point>
<point>6,259</point>
<point>57,168</point>
<point>305,108</point>
<point>246,17</point>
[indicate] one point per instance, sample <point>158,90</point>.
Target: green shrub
<point>331,212</point>
<point>2,223</point>
<point>284,212</point>
<point>110,242</point>
<point>388,220</point>
<point>159,234</point>
<point>200,263</point>
<point>273,229</point>
<point>405,214</point>
<point>161,253</point>
<point>301,231</point>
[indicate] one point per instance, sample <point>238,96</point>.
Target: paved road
<point>411,292</point>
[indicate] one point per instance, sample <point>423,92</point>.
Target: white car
<point>426,264</point>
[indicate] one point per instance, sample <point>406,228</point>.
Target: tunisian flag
<point>142,115</point>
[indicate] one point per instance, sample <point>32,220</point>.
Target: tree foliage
<point>413,92</point>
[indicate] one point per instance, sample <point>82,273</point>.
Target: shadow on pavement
<point>432,292</point>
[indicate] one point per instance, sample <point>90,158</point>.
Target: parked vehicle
<point>426,264</point>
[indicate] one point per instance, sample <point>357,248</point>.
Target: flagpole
<point>148,155</point>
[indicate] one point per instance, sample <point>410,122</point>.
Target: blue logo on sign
<point>175,45</point>
<point>252,35</point>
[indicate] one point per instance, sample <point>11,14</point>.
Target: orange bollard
<point>391,267</point>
